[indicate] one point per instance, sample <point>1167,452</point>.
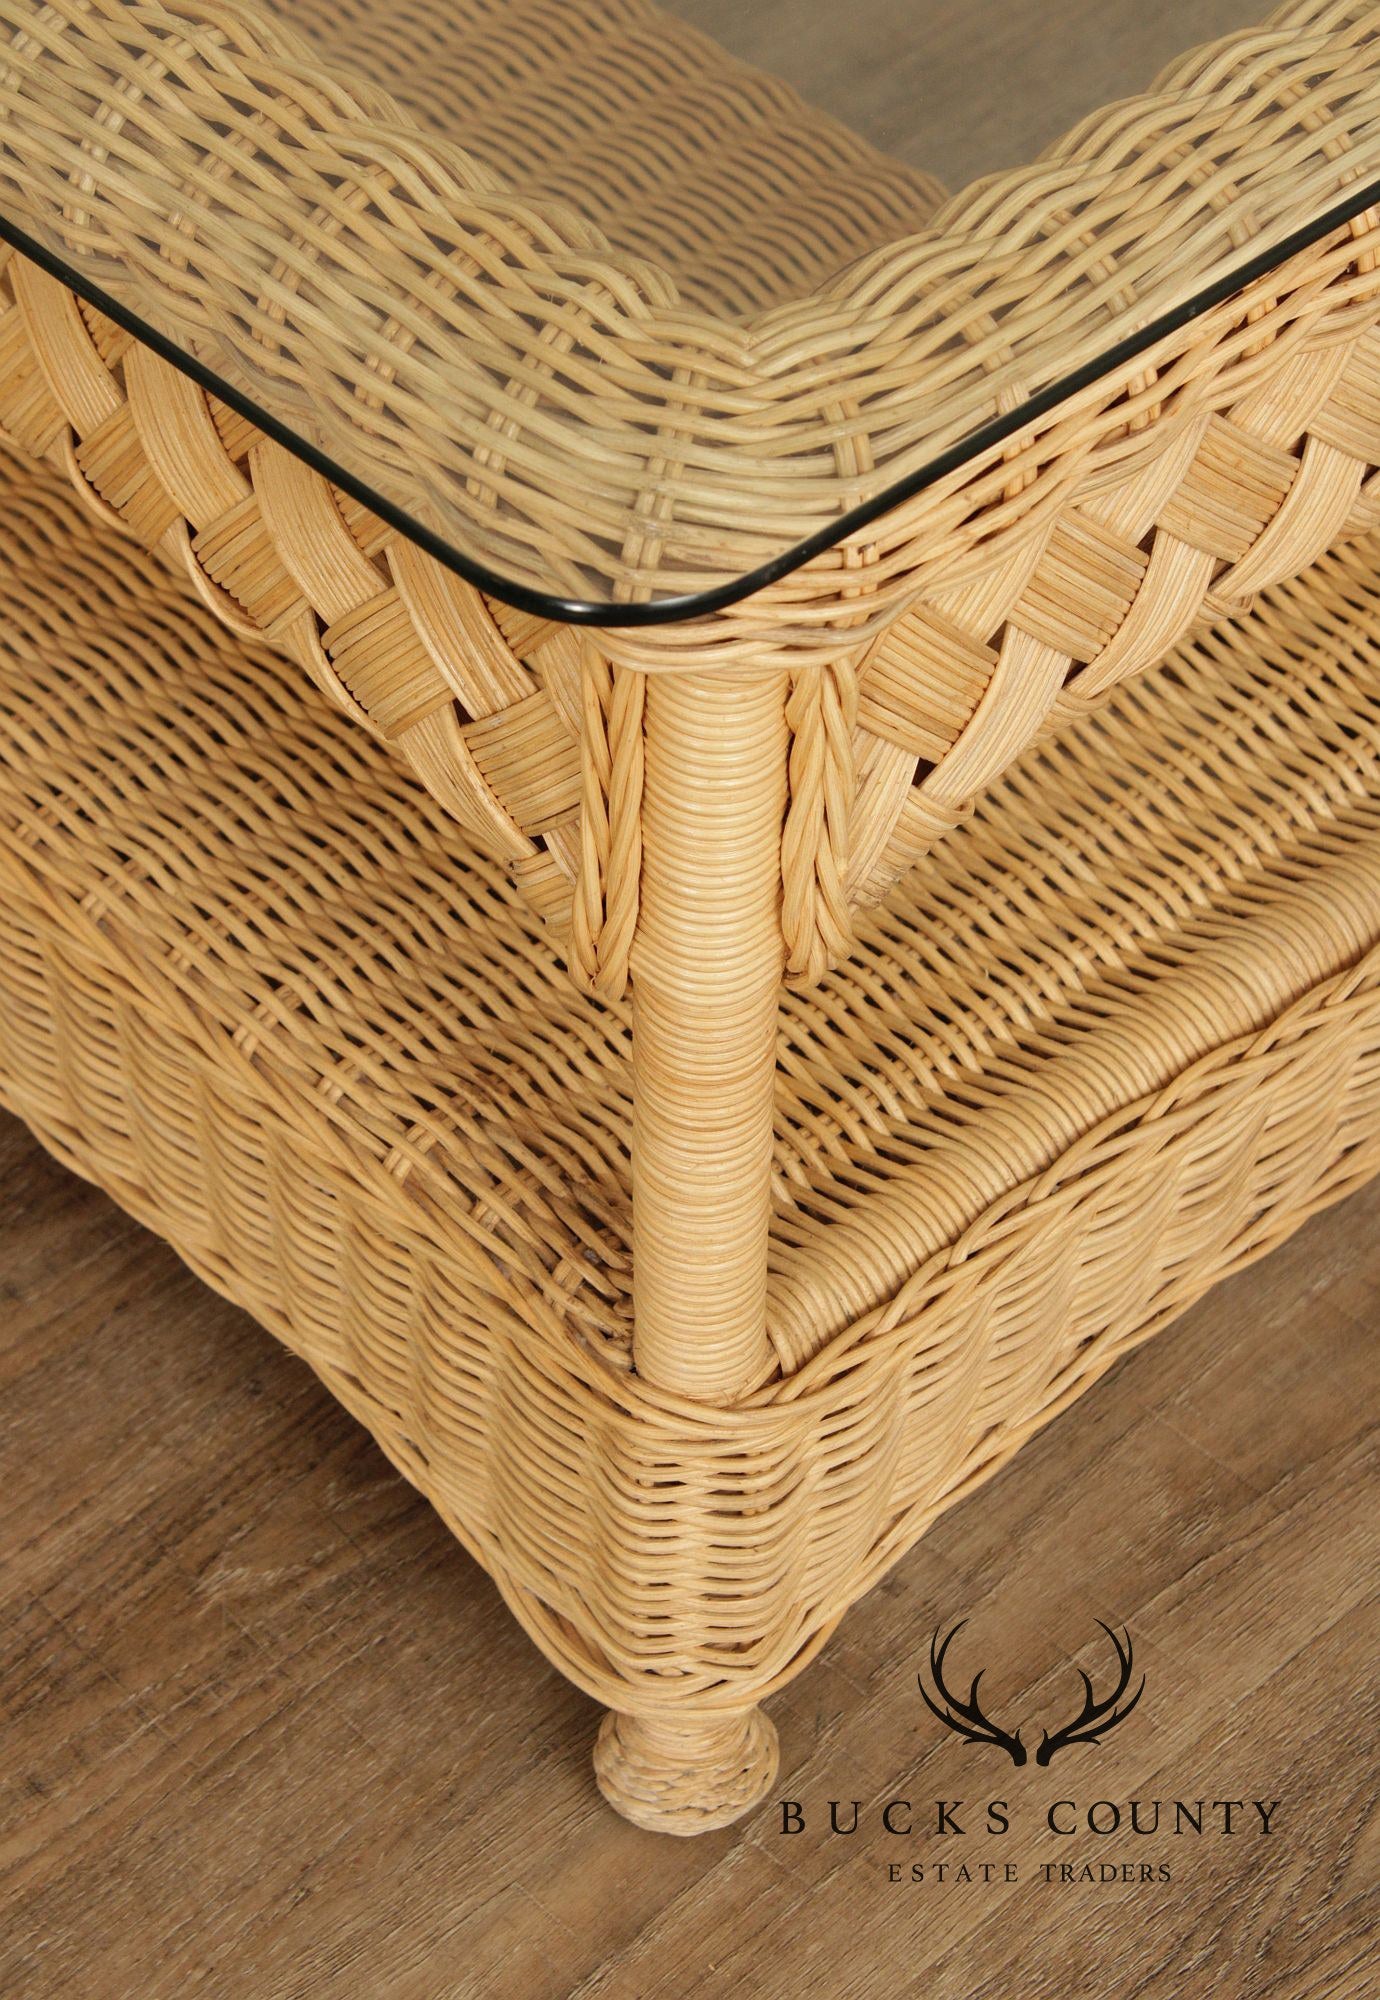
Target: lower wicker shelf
<point>1120,1035</point>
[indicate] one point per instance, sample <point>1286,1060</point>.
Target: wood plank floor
<point>269,1733</point>
<point>960,88</point>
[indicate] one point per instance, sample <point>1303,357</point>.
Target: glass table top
<point>625,314</point>
<point>961,88</point>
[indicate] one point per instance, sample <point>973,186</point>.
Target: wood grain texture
<point>269,1733</point>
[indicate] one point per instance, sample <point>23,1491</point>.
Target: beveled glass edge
<point>672,610</point>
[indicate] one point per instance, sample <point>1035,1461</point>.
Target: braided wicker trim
<point>248,986</point>
<point>487,358</point>
<point>486,706</point>
<point>534,739</point>
<point>1230,503</point>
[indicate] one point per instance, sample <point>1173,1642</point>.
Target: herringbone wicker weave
<point>688,1290</point>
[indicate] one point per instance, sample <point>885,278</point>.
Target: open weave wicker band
<point>1120,1036</point>
<point>550,394</point>
<point>529,735</point>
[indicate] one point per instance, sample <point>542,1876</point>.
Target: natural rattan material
<point>691,1290</point>
<point>523,378</point>
<point>534,740</point>
<point>720,174</point>
<point>1118,1037</point>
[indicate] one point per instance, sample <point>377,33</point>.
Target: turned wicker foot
<point>686,1773</point>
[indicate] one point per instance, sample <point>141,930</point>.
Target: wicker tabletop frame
<point>704,815</point>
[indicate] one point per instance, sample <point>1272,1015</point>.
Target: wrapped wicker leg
<point>686,1773</point>
<point>1119,1035</point>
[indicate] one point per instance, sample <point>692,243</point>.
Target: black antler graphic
<point>1095,1717</point>
<point>965,1718</point>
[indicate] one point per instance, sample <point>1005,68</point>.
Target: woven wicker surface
<point>688,1308</point>
<point>534,739</point>
<point>740,190</point>
<point>555,402</point>
<point>1094,1056</point>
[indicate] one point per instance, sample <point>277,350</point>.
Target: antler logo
<point>1092,1722</point>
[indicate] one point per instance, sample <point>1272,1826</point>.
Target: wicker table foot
<point>686,1773</point>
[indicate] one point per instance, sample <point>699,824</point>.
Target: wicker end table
<point>708,820</point>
